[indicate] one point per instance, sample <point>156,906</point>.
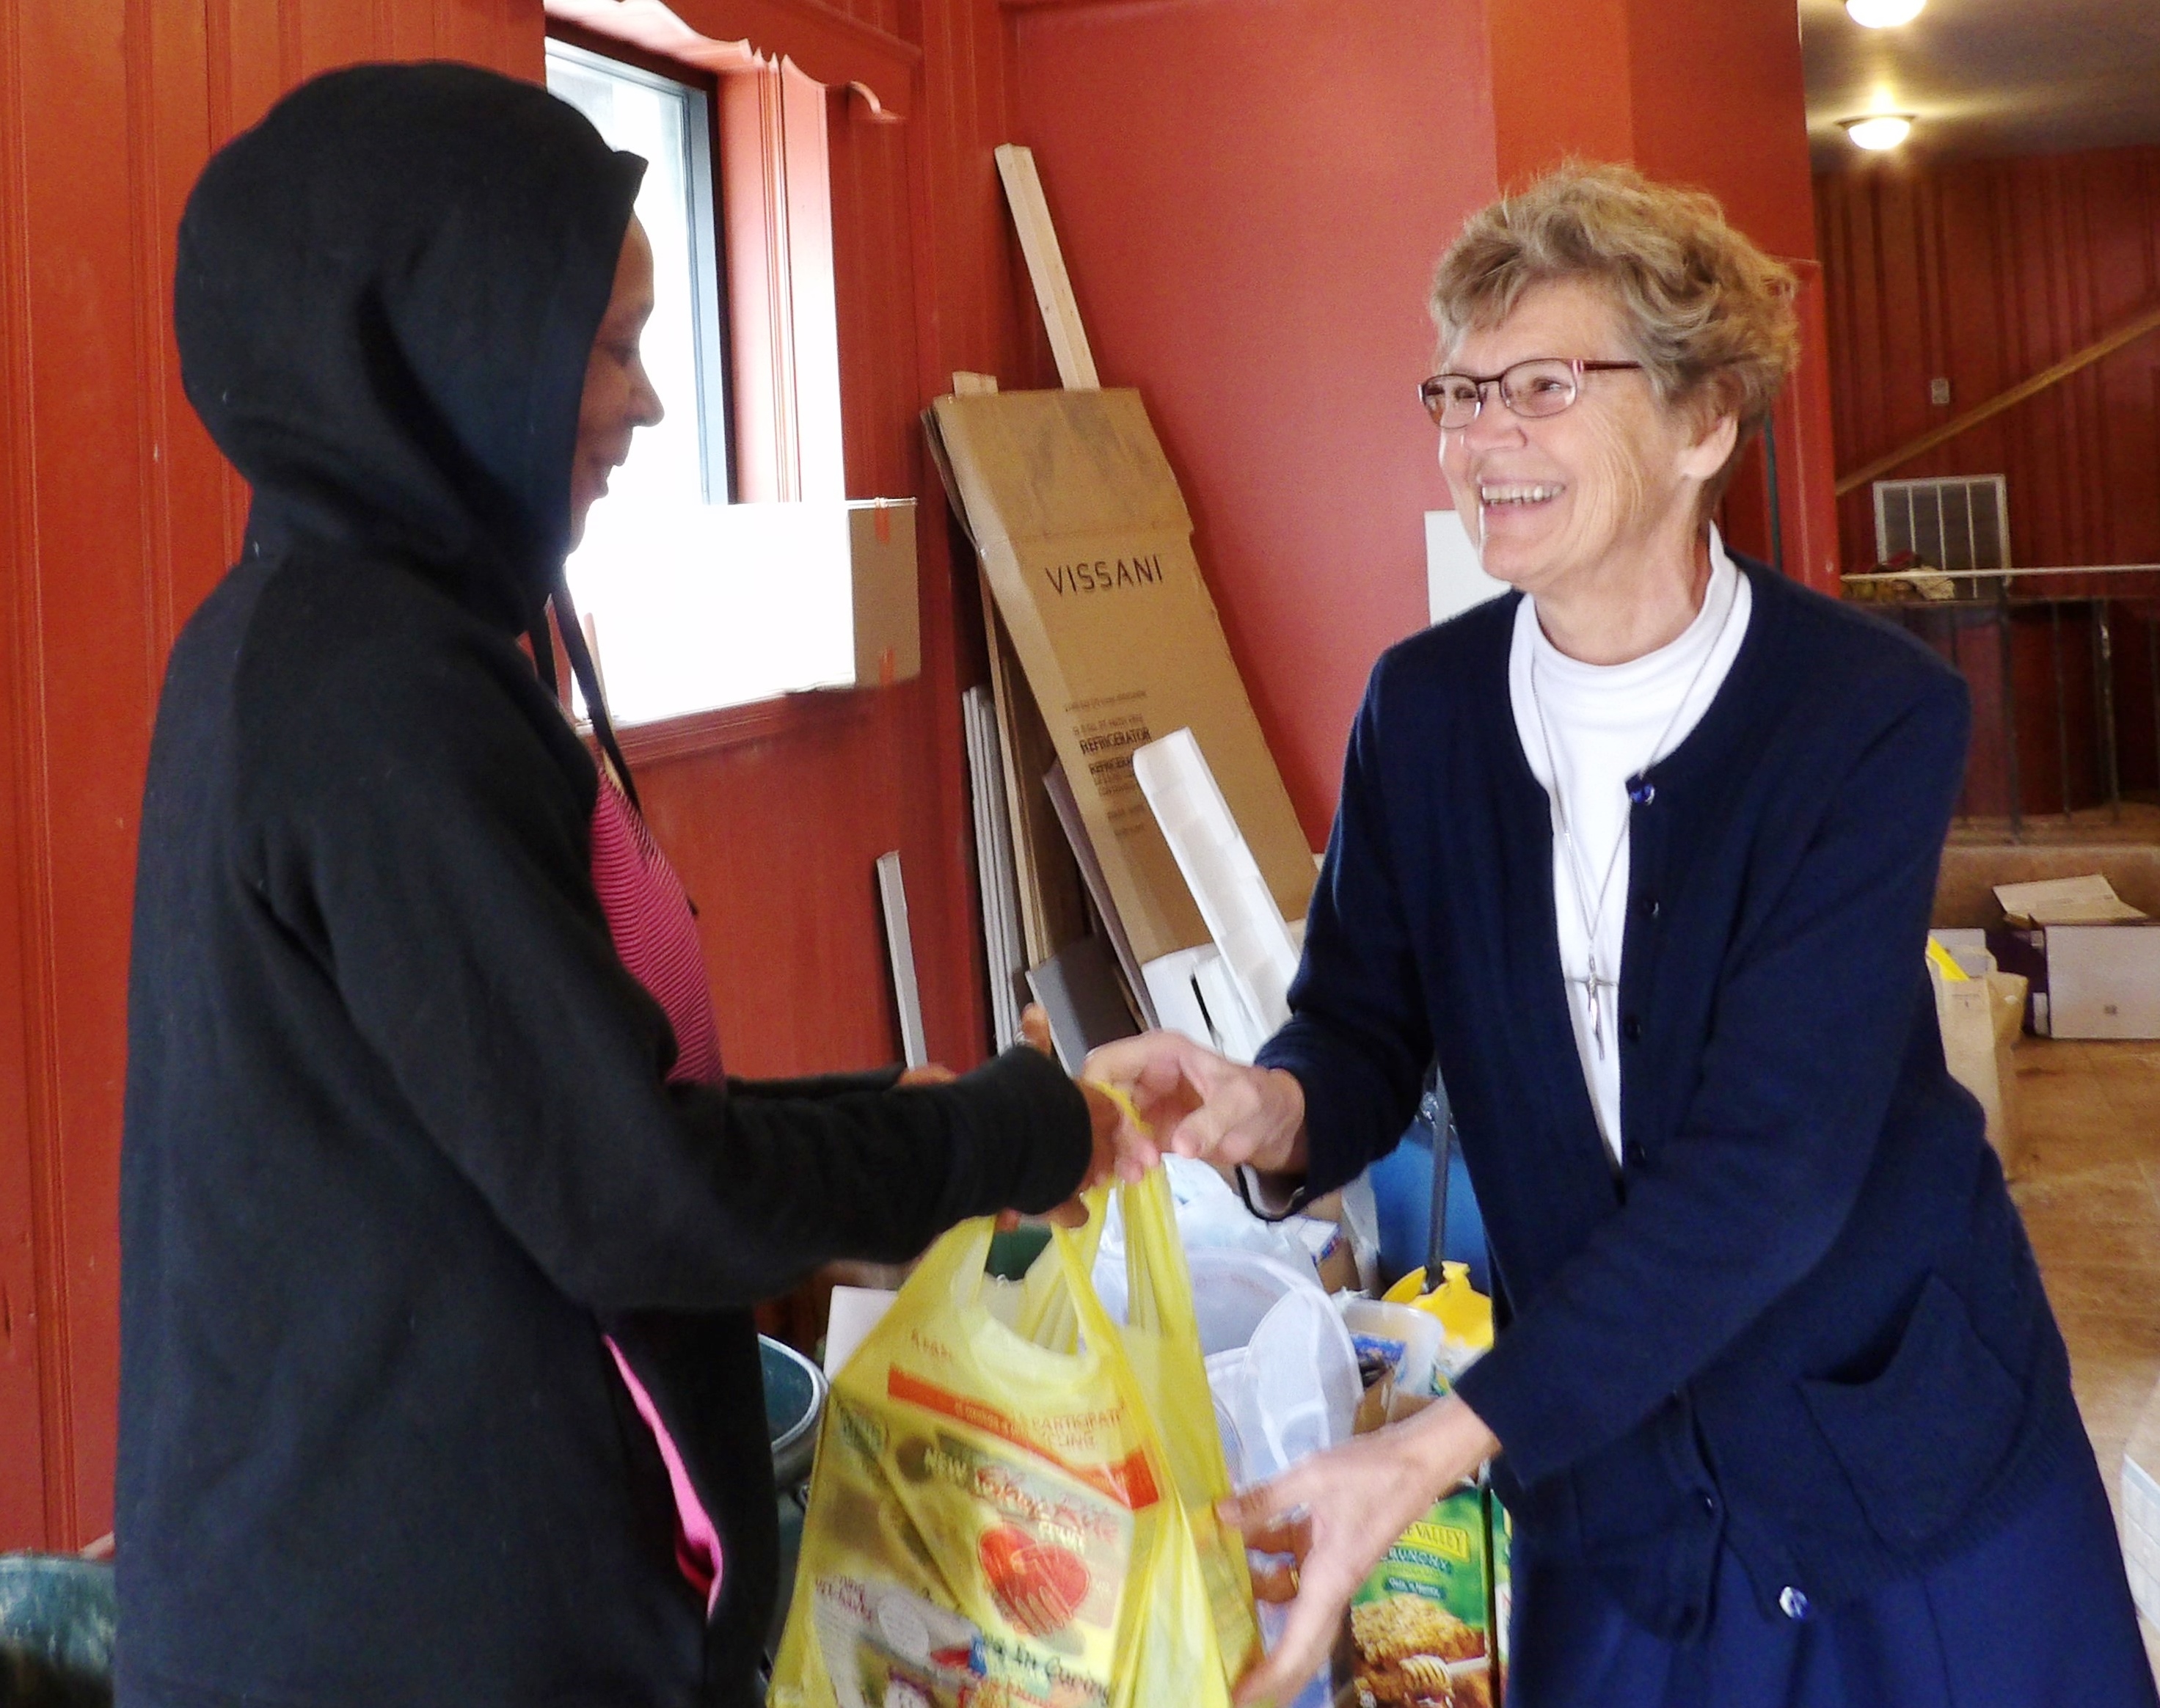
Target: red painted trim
<point>735,726</point>
<point>827,45</point>
<point>22,1470</point>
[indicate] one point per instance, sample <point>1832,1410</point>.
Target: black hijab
<point>386,294</point>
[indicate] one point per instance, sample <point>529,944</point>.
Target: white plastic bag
<point>1210,1217</point>
<point>1290,1392</point>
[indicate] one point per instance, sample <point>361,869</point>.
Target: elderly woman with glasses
<point>1642,855</point>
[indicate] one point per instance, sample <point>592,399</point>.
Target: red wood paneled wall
<point>1707,93</point>
<point>117,517</point>
<point>1252,192</point>
<point>1984,273</point>
<point>1252,198</point>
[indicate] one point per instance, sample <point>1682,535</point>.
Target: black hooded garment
<point>399,1148</point>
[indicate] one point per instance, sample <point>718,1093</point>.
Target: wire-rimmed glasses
<point>1543,386</point>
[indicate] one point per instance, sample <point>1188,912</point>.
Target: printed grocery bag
<point>1014,1500</point>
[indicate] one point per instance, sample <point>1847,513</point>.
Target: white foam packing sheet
<point>855,1311</point>
<point>1219,868</point>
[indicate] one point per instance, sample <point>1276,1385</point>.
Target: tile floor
<point>2087,1175</point>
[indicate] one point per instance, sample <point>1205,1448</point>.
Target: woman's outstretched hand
<point>1335,1514</point>
<point>1197,1104</point>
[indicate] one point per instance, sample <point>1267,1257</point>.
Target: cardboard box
<point>1087,546</point>
<point>881,587</point>
<point>2007,998</point>
<point>2141,1509</point>
<point>1982,1018</point>
<point>2088,981</point>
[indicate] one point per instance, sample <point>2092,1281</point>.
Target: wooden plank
<point>2107,346</point>
<point>900,945</point>
<point>1045,266</point>
<point>1053,906</point>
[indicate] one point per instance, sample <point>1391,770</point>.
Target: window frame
<point>771,187</point>
<point>711,320</point>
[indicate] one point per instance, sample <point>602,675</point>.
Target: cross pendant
<point>1593,992</point>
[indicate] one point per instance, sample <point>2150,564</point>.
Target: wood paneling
<point>117,517</point>
<point>1251,322</point>
<point>1984,273</point>
<point>1250,199</point>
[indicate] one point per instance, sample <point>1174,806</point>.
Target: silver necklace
<point>1594,983</point>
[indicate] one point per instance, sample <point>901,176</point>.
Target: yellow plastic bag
<point>1014,1500</point>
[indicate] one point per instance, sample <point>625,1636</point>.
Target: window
<point>695,601</point>
<point>670,125</point>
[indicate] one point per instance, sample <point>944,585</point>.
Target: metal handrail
<point>1993,604</point>
<point>1920,574</point>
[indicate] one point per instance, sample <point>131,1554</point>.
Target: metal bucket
<point>794,1406</point>
<point>794,1402</point>
<point>56,1623</point>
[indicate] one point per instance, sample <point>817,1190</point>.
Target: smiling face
<point>1607,489</point>
<point>618,397</point>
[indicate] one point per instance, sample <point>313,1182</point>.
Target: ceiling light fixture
<point>1882,130</point>
<point>1883,14</point>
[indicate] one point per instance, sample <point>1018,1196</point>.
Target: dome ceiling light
<point>1879,131</point>
<point>1883,14</point>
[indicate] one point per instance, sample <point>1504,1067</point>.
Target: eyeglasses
<point>1543,386</point>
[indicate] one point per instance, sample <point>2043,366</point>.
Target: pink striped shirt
<point>649,917</point>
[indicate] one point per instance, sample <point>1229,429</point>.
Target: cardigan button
<point>1633,1154</point>
<point>1793,1604</point>
<point>1631,1028</point>
<point>1651,907</point>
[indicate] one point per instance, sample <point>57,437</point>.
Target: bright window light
<point>666,122</point>
<point>696,602</point>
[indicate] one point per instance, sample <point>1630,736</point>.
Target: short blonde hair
<point>1708,315</point>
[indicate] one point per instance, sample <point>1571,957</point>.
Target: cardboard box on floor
<point>2089,981</point>
<point>2141,1509</point>
<point>1981,1017</point>
<point>1087,546</point>
<point>2094,960</point>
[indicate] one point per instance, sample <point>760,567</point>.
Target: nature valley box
<point>1087,546</point>
<point>1421,1627</point>
<point>1500,1531</point>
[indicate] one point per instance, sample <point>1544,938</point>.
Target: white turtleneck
<point>1605,724</point>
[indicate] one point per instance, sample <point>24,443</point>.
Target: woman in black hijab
<point>406,1148</point>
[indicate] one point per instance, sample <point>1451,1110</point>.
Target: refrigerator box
<point>1088,546</point>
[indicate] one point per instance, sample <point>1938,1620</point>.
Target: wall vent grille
<point>1962,523</point>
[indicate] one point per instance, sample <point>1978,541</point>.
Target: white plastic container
<point>1407,1338</point>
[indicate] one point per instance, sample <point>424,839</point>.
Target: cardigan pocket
<point>1920,1441</point>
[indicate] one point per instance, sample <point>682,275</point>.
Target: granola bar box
<point>1421,1627</point>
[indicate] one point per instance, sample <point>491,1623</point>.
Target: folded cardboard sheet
<point>2090,899</point>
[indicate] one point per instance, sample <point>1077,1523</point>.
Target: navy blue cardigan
<point>1802,1317</point>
